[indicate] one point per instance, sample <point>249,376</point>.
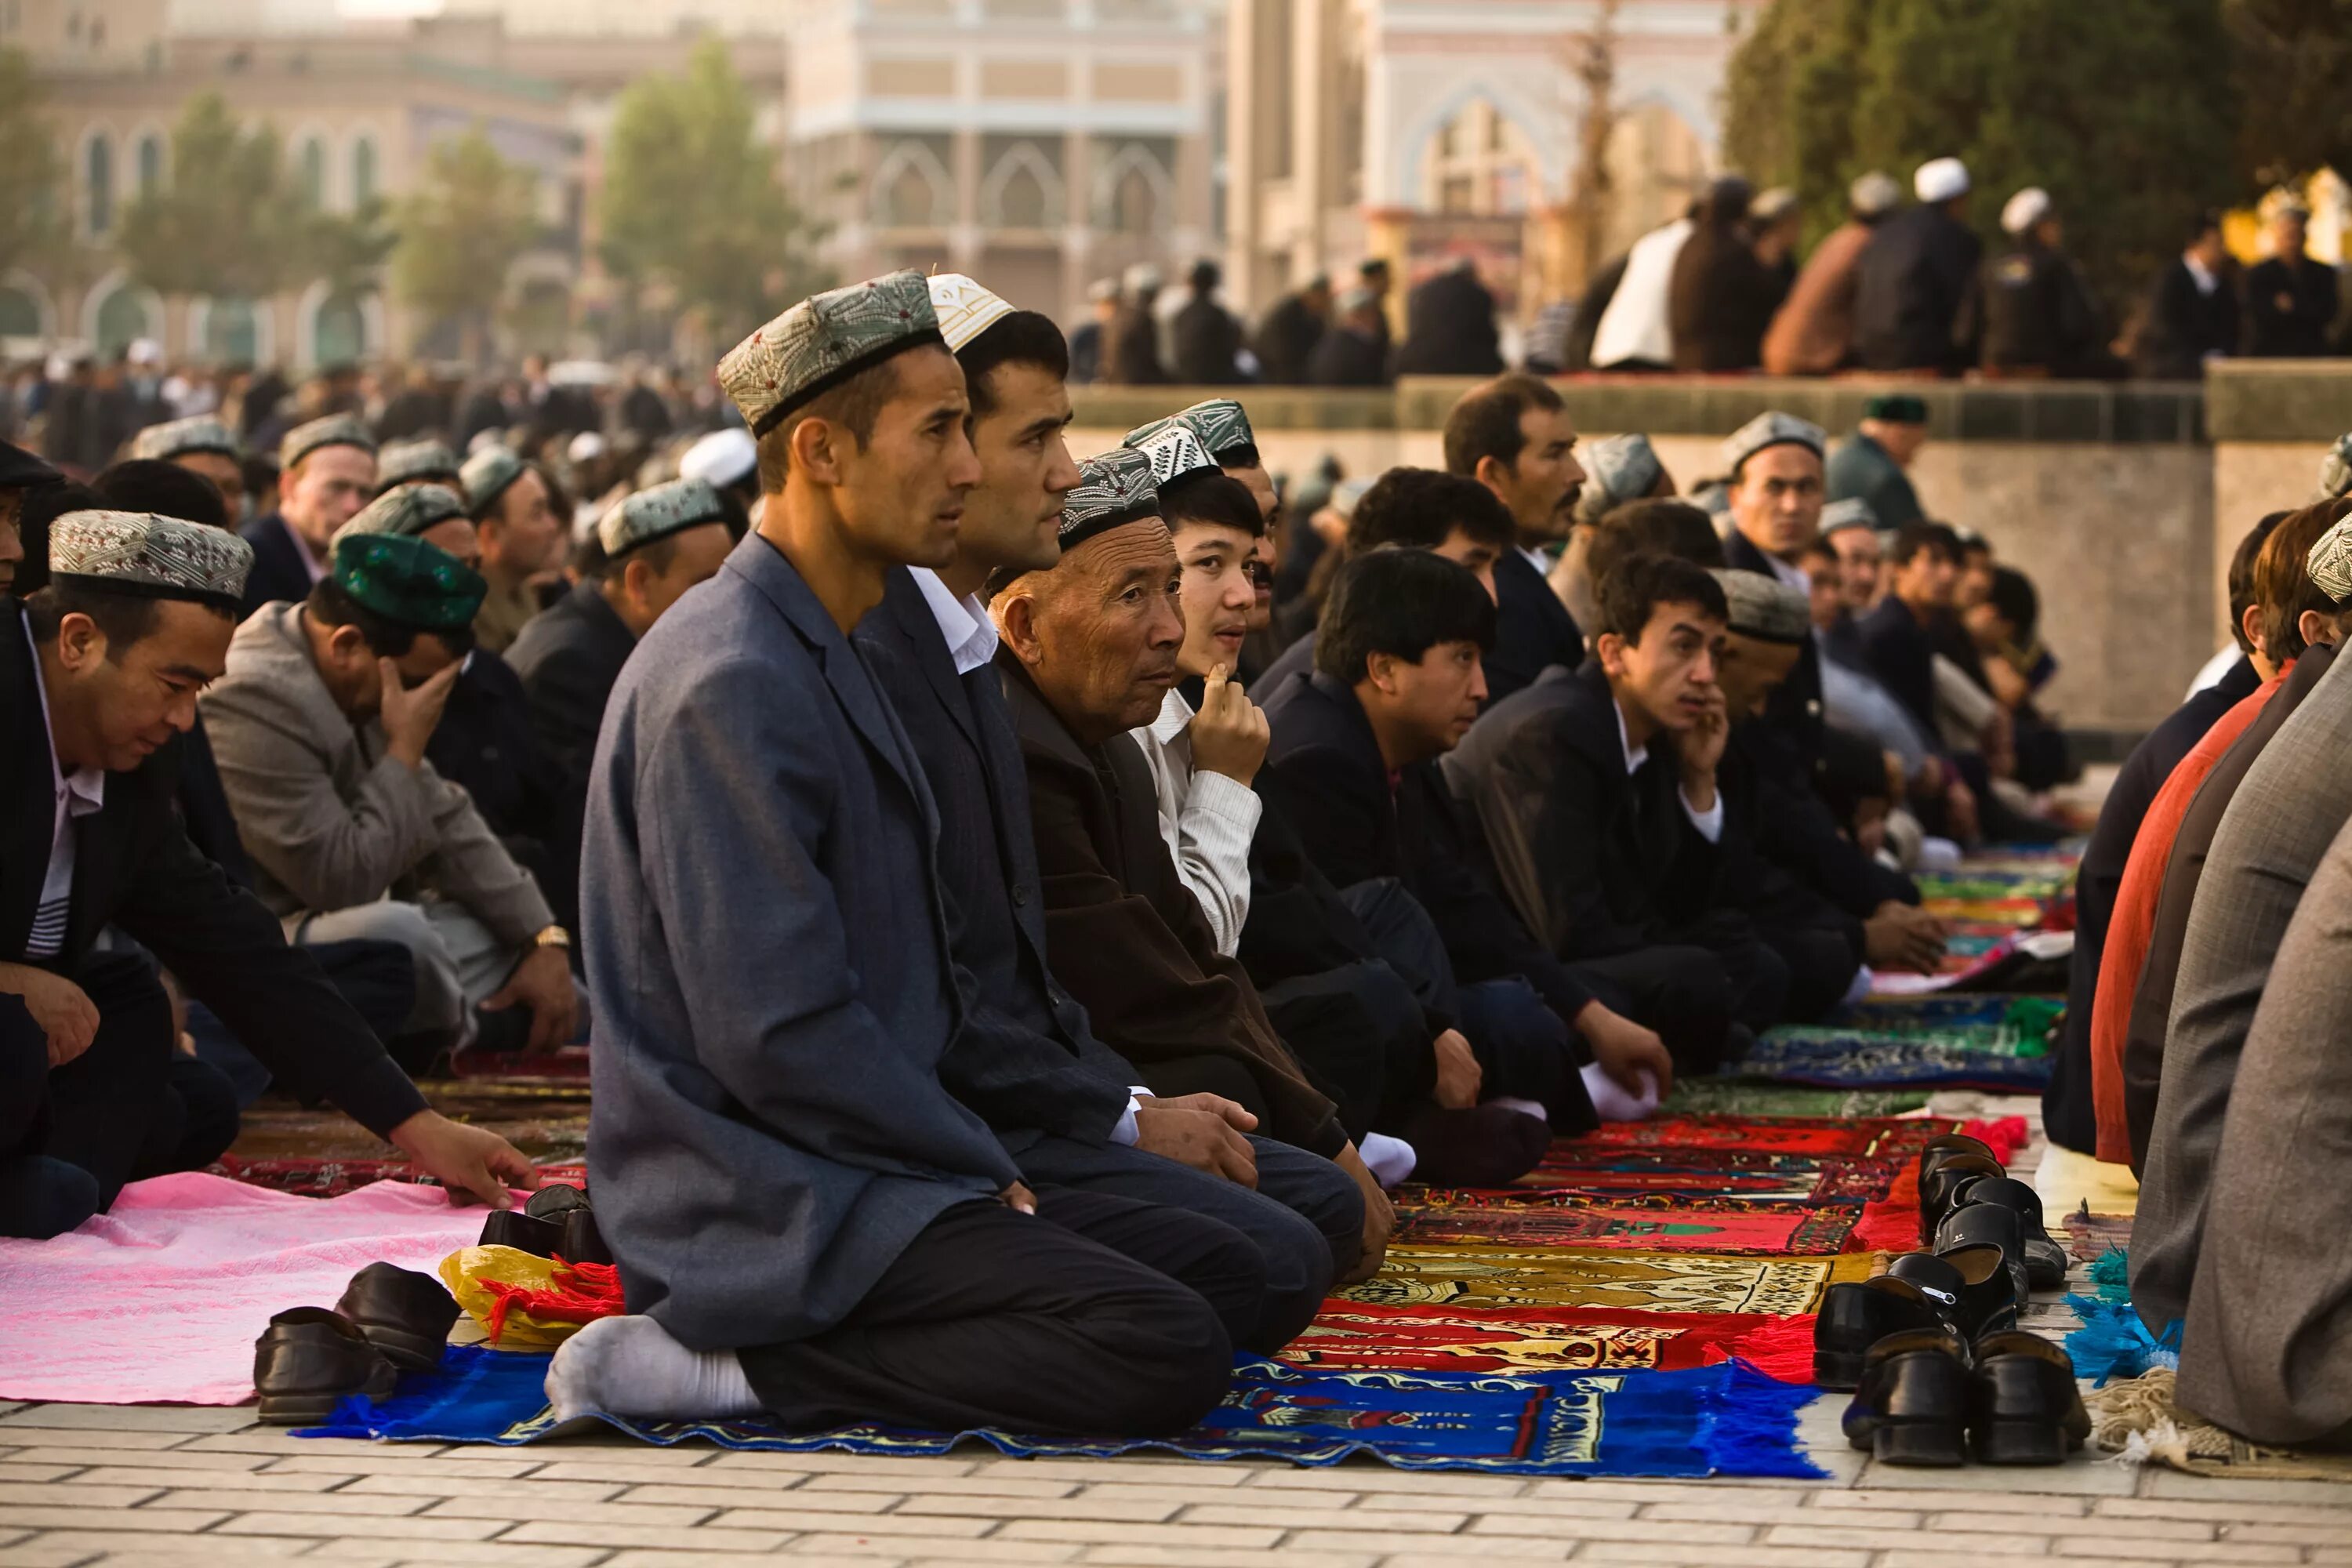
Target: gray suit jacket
<point>2293,799</point>
<point>2268,1348</point>
<point>768,954</point>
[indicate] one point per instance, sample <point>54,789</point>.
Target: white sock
<point>1524,1107</point>
<point>630,1366</point>
<point>1390,1159</point>
<point>1613,1103</point>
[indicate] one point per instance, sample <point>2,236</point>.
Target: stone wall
<point>2107,497</point>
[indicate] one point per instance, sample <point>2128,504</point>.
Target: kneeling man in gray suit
<point>806,1221</point>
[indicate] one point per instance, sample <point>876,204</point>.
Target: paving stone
<point>857,1464</point>
<point>164,1459</point>
<point>687,1557</point>
<point>1248,1510</point>
<point>2161,1482</point>
<point>2339,1515</point>
<point>983,1507</point>
<point>1212,1557</point>
<point>61,1494</point>
<point>521,1505</point>
<point>90,1437</point>
<point>2192,1551</point>
<point>1436,1551</point>
<point>1912,1501</point>
<point>1126,1470</point>
<point>1353,1481</point>
<point>1501,1523</point>
<point>1635,1491</point>
<point>556,1531</point>
<point>947,1549</point>
<point>398,1527</point>
<point>455,1554</point>
<point>864,1524</point>
<point>363,1506</point>
<point>181,1419</point>
<point>2080,1478</point>
<point>991,1483</point>
<point>145,1475</point>
<point>1896,1536</point>
<point>146,1521</point>
<point>540,1489</point>
<point>2104,1526</point>
<point>628,1471</point>
<point>1111,1533</point>
<point>1722,1556</point>
<point>1910,1557</point>
<point>763,1496</point>
<point>40,1554</point>
<point>124,1546</point>
<point>1732,1512</point>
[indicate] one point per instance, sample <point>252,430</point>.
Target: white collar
<point>1175,718</point>
<point>85,788</point>
<point>1536,559</point>
<point>971,636</point>
<point>2203,275</point>
<point>1635,755</point>
<point>1796,577</point>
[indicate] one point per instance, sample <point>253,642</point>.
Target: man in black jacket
<point>99,674</point>
<point>1207,338</point>
<point>1288,334</point>
<point>2192,308</point>
<point>2291,298</point>
<point>1513,435</point>
<point>655,544</point>
<point>325,473</point>
<point>1449,326</point>
<point>1911,274</point>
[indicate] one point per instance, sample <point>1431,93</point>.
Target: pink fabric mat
<point>163,1299</point>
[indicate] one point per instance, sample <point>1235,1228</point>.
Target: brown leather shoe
<point>405,1314</point>
<point>308,1359</point>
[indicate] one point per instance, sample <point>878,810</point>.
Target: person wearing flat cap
<point>326,472</point>
<point>419,462</point>
<point>1872,463</point>
<point>2027,313</point>
<point>804,1217</point>
<point>20,474</point>
<point>655,544</point>
<point>1070,1109</point>
<point>1223,427</point>
<point>1911,274</point>
<point>99,672</point>
<point>2291,296</point>
<point>522,537</point>
<point>2335,473</point>
<point>320,726</point>
<point>1353,350</point>
<point>1618,470</point>
<point>205,447</point>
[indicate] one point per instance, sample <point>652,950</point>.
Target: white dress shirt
<point>1709,822</point>
<point>78,794</point>
<point>1205,819</point>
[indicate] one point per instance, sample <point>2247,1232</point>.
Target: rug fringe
<point>1781,1350</point>
<point>1752,1428</point>
<point>2005,1137</point>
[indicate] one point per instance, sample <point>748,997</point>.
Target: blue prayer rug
<point>1863,1058</point>
<point>1724,1419</point>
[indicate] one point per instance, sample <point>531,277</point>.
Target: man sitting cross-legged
<point>1027,1059</point>
<point>805,1220</point>
<point>1354,765</point>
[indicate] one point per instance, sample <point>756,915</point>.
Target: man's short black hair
<point>2204,223</point>
<point>855,404</point>
<point>42,505</point>
<point>2282,578</point>
<point>127,619</point>
<point>1661,526</point>
<point>1485,423</point>
<point>1421,507</point>
<point>1399,602</point>
<point>1933,537</point>
<point>331,606</point>
<point>2014,600</point>
<point>1212,498</point>
<point>2241,577</point>
<point>167,490</point>
<point>1024,337</point>
<point>1632,594</point>
<point>1245,456</point>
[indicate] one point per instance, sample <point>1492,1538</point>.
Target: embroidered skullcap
<point>1765,607</point>
<point>2025,209</point>
<point>409,512</point>
<point>1770,429</point>
<point>486,475</point>
<point>1220,425</point>
<point>585,448</point>
<point>1895,408</point>
<point>1772,206</point>
<point>1176,453</point>
<point>722,458</point>
<point>407,462</point>
<point>824,341</point>
<point>1851,513</point>
<point>1940,179</point>
<point>153,557</point>
<point>1618,470</point>
<point>2330,562</point>
<point>965,309</point>
<point>2335,471</point>
<point>335,430</point>
<point>407,582</point>
<point>180,438</point>
<point>657,513</point>
<point>1873,194</point>
<point>1113,490</point>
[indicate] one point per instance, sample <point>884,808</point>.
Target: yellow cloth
<point>465,1270</point>
<point>2067,1179</point>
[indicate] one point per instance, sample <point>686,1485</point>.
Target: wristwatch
<point>554,936</point>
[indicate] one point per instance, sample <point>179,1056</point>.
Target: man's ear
<point>1379,668</point>
<point>2251,623</point>
<point>1492,472</point>
<point>1609,650</point>
<point>816,449</point>
<point>1016,623</point>
<point>80,645</point>
<point>634,576</point>
<point>2317,628</point>
<point>347,643</point>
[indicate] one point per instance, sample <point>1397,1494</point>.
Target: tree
<point>2294,64</point>
<point>692,201</point>
<point>461,231</point>
<point>2124,110</point>
<point>32,221</point>
<point>1594,64</point>
<point>226,223</point>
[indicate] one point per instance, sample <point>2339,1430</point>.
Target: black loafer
<point>555,1201</point>
<point>513,1228</point>
<point>1988,1225</point>
<point>1942,1185</point>
<point>2045,1260</point>
<point>583,1243</point>
<point>1972,1285</point>
<point>1856,1316</point>
<point>308,1359</point>
<point>1911,1406</point>
<point>2023,1405</point>
<point>405,1314</point>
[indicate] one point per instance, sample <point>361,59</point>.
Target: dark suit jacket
<point>1125,935</point>
<point>1907,291</point>
<point>2290,308</point>
<point>1596,861</point>
<point>2183,325</point>
<point>1533,630</point>
<point>485,746</point>
<point>1026,1058</point>
<point>1324,768</point>
<point>568,658</point>
<point>278,571</point>
<point>1903,658</point>
<point>135,869</point>
<point>768,955</point>
<point>1345,357</point>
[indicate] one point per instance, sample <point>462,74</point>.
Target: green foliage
<point>692,200</point>
<point>2123,109</point>
<point>462,228</point>
<point>32,221</point>
<point>2294,68</point>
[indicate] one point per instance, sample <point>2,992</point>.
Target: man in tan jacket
<point>1813,334</point>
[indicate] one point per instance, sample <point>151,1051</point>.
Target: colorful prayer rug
<point>1726,1419</point>
<point>1855,1059</point>
<point>1460,1276</point>
<point>1360,1336</point>
<point>1544,1219</point>
<point>1734,1097</point>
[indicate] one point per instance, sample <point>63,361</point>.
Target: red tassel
<point>581,1293</point>
<point>1783,1348</point>
<point>2004,1136</point>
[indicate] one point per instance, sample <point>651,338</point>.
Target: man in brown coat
<point>1813,332</point>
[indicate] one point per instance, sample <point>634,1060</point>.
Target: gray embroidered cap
<point>1770,429</point>
<point>181,437</point>
<point>1619,470</point>
<point>2330,562</point>
<point>154,557</point>
<point>1851,513</point>
<point>486,475</point>
<point>1175,453</point>
<point>335,430</point>
<point>1219,425</point>
<point>409,512</point>
<point>1765,607</point>
<point>823,341</point>
<point>2335,473</point>
<point>415,462</point>
<point>1113,489</point>
<point>657,513</point>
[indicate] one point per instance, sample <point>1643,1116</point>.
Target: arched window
<point>363,171</point>
<point>151,163</point>
<point>232,332</point>
<point>910,188</point>
<point>1022,192</point>
<point>20,313</point>
<point>1131,192</point>
<point>98,185</point>
<point>339,331</point>
<point>121,317</point>
<point>312,165</point>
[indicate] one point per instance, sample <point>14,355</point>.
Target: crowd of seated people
<point>1021,958</point>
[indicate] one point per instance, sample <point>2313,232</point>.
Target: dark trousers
<point>1358,1032</point>
<point>1097,1316</point>
<point>130,1105</point>
<point>1820,962</point>
<point>1306,1217</point>
<point>377,978</point>
<point>1682,993</point>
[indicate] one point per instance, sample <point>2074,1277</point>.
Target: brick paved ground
<point>157,1486</point>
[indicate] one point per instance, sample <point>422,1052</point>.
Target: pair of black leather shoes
<point>555,1223</point>
<point>1965,1291</point>
<point>388,1322</point>
<point>1929,1397</point>
<point>1968,1198</point>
